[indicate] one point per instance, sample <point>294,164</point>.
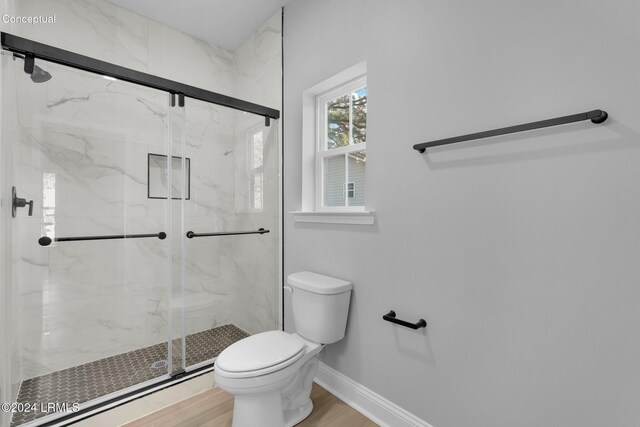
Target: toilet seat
<point>260,354</point>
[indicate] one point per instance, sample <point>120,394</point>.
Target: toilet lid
<point>260,351</point>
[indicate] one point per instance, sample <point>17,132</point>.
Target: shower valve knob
<point>19,202</point>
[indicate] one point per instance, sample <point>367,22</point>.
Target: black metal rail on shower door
<point>391,317</point>
<point>596,116</point>
<point>32,49</point>
<point>46,241</point>
<point>191,234</point>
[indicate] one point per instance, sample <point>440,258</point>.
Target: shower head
<point>37,74</point>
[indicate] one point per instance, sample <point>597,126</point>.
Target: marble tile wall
<point>90,27</point>
<point>259,80</point>
<point>259,65</point>
<point>253,284</point>
<point>82,301</point>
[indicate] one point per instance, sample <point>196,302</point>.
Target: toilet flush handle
<point>288,289</point>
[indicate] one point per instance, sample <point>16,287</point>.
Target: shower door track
<point>33,49</point>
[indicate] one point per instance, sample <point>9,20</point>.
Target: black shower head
<point>39,75</point>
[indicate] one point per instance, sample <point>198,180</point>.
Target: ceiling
<point>225,23</point>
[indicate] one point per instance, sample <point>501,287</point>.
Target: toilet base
<point>266,411</point>
<point>258,410</point>
<point>296,396</point>
<point>284,405</point>
<point>301,413</point>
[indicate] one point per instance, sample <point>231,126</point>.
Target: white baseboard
<point>375,407</point>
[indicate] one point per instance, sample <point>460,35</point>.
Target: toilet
<point>270,374</point>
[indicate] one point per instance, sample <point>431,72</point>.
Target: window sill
<point>357,218</point>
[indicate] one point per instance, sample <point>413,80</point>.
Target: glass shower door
<point>91,268</point>
<point>230,285</point>
<point>138,238</point>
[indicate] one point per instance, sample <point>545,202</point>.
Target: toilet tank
<point>320,306</point>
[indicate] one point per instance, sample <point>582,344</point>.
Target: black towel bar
<point>596,116</point>
<point>46,241</point>
<point>191,234</point>
<point>391,317</point>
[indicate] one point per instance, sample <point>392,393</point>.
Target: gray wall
<point>521,251</point>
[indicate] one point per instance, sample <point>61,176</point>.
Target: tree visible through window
<point>347,119</point>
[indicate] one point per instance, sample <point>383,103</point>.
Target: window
<point>49,204</point>
<point>256,148</point>
<point>341,155</point>
<point>334,150</point>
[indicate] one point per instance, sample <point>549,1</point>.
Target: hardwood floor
<point>214,408</point>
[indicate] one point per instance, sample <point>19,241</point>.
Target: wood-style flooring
<point>214,408</point>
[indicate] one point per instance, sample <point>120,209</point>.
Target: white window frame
<point>321,143</point>
<point>307,212</point>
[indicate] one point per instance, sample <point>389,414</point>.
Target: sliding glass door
<point>139,236</point>
<point>91,272</point>
<point>231,221</point>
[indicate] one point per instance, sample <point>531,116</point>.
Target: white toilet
<point>270,374</point>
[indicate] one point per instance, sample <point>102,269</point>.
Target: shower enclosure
<point>139,232</point>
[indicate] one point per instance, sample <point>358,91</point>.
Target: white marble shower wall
<point>82,301</point>
<point>256,259</point>
<point>259,65</point>
<point>259,80</point>
<point>222,270</point>
<point>209,287</point>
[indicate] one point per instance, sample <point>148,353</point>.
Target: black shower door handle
<point>46,241</point>
<point>191,234</point>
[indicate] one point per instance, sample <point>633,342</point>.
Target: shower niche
<point>108,163</point>
<point>158,176</point>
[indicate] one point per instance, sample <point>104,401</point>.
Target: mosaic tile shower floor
<point>95,379</point>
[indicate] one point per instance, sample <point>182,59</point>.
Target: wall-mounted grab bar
<point>46,241</point>
<point>191,234</point>
<point>391,317</point>
<point>596,116</point>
